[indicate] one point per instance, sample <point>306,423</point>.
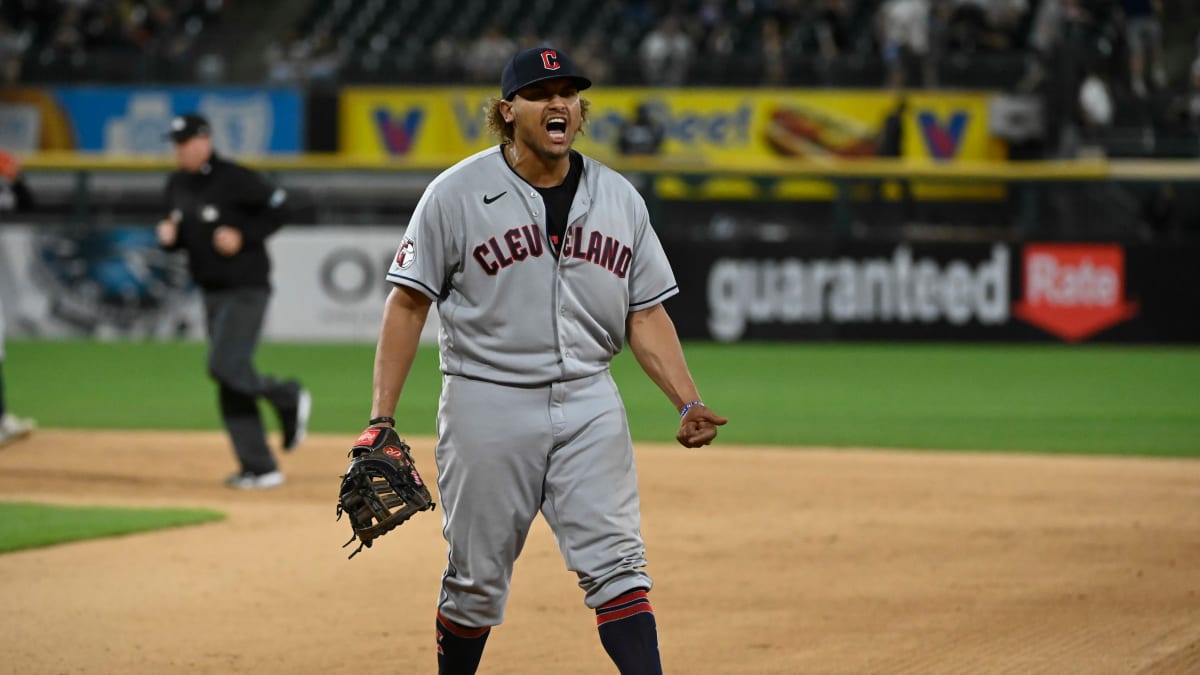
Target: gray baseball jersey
<point>529,418</point>
<point>510,311</point>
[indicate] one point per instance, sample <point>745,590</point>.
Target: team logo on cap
<point>209,214</point>
<point>550,60</point>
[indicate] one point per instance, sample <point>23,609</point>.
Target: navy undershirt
<point>558,201</point>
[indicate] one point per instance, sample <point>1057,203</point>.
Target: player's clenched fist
<point>698,426</point>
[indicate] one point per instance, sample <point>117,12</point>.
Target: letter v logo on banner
<point>943,140</point>
<point>397,136</point>
<point>1074,290</point>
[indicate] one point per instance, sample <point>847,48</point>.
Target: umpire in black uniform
<point>221,214</point>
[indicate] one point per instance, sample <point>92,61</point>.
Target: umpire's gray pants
<point>234,320</point>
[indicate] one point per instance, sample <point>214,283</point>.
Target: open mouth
<point>557,128</point>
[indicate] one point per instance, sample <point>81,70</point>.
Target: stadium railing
<point>75,182</point>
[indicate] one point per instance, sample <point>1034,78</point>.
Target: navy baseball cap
<point>535,65</point>
<point>184,127</point>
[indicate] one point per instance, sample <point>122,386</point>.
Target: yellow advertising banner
<point>734,128</point>
<point>424,124</point>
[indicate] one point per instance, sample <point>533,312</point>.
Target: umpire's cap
<point>188,126</point>
<point>537,64</point>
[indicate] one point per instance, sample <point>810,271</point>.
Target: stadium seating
<point>791,43</point>
<point>47,41</point>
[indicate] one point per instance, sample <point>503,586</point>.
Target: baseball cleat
<point>254,481</point>
<point>14,428</point>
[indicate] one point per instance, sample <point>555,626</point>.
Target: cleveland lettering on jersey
<point>604,251</point>
<point>496,254</point>
<point>492,258</point>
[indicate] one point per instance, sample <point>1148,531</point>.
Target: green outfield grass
<point>1041,398</point>
<point>24,525</point>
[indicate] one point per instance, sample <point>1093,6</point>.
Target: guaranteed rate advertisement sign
<point>1002,291</point>
<point>901,289</point>
<point>1074,290</point>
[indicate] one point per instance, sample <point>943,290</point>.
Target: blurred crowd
<point>1125,70</point>
<point>135,40</point>
<point>925,43</point>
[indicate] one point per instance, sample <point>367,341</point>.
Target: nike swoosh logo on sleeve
<point>489,200</point>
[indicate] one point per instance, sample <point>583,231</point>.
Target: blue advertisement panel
<point>128,121</point>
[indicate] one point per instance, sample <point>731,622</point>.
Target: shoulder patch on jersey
<point>406,255</point>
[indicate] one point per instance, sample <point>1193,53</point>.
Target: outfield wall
<point>999,291</point>
<point>114,283</point>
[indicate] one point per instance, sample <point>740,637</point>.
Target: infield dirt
<point>765,561</point>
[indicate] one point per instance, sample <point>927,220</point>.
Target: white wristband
<point>683,411</point>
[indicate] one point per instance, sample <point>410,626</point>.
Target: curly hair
<point>504,130</point>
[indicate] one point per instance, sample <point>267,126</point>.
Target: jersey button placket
<point>563,332</point>
<point>533,201</point>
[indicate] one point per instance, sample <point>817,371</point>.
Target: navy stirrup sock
<point>629,634</point>
<point>459,648</point>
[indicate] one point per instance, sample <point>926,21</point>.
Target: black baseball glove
<point>381,488</point>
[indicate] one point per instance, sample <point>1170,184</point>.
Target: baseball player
<point>14,196</point>
<point>543,265</point>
